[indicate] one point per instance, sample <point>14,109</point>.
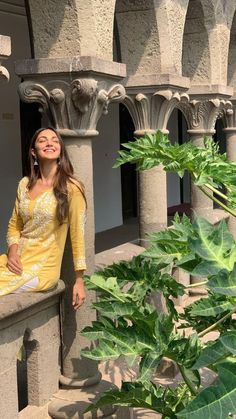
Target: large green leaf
<point>133,395</point>
<point>106,350</point>
<point>229,341</point>
<point>148,365</point>
<point>211,306</point>
<point>108,285</point>
<point>214,245</point>
<point>216,401</point>
<point>211,354</point>
<point>114,309</point>
<point>224,283</point>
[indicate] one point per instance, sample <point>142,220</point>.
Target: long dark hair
<point>64,174</point>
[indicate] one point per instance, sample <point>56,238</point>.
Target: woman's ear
<point>33,152</point>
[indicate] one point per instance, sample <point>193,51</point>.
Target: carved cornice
<point>202,115</point>
<point>151,111</point>
<point>75,106</point>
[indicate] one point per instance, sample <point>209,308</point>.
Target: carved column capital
<point>201,115</point>
<point>150,111</point>
<point>74,106</point>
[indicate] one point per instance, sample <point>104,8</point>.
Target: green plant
<point>129,324</point>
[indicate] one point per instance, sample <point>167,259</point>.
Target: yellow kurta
<point>40,238</point>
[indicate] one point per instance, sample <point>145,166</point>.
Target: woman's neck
<point>48,171</point>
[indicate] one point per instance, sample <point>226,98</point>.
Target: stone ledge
<point>125,251</point>
<point>83,64</point>
<point>208,91</point>
<point>18,305</point>
<point>161,81</point>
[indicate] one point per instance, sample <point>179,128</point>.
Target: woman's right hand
<point>13,261</point>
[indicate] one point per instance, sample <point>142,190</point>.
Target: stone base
<point>71,404</point>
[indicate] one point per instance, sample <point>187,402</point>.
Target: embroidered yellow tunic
<point>40,238</point>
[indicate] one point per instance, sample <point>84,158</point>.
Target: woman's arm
<point>77,208</point>
<point>15,226</point>
<point>78,290</point>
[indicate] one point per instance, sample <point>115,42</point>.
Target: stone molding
<point>151,111</point>
<point>73,105</point>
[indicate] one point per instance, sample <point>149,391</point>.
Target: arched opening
<point>178,189</point>
<point>115,190</point>
<point>196,55</point>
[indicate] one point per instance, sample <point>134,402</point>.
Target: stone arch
<point>138,36</point>
<point>77,28</point>
<point>232,55</point>
<point>196,54</point>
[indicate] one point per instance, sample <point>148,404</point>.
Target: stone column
<point>230,133</point>
<point>74,94</point>
<point>150,107</point>
<point>201,114</point>
<point>201,205</point>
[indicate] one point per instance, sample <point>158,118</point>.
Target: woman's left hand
<point>78,293</point>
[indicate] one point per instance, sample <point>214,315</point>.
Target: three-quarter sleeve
<point>77,214</point>
<point>15,224</point>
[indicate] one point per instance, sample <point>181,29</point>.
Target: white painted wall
<point>15,26</point>
<point>107,181</point>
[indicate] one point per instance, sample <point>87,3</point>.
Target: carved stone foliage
<point>202,115</point>
<point>151,111</point>
<point>76,106</point>
<point>229,116</point>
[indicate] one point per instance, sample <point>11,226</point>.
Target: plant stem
<point>217,192</point>
<point>187,381</point>
<point>227,209</point>
<point>213,326</point>
<point>198,284</point>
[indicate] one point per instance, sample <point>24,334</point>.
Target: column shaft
<point>80,154</point>
<point>201,205</point>
<point>152,202</point>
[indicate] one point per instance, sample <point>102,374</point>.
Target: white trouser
<point>33,283</point>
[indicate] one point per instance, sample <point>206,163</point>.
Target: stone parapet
<point>29,321</point>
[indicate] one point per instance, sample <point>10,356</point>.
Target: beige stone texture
<point>232,56</point>
<point>170,17</point>
<point>77,28</point>
<point>196,55</point>
<point>32,319</point>
<point>139,39</point>
<point>152,202</point>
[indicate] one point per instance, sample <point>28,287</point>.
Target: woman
<point>48,202</point>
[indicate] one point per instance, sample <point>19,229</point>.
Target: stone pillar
<point>74,94</point>
<point>201,205</point>
<point>201,114</point>
<point>152,202</point>
<point>230,133</point>
<point>150,105</point>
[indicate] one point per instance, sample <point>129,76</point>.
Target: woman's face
<point>47,146</point>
